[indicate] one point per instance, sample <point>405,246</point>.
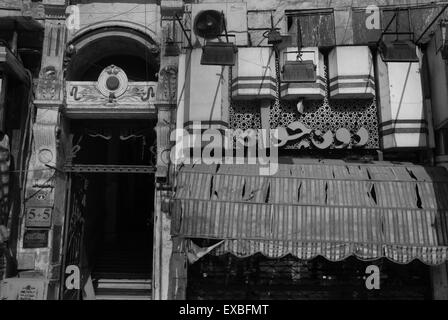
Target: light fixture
<point>272,34</point>
<point>398,50</point>
<point>171,49</point>
<point>298,70</point>
<point>209,24</point>
<point>274,37</point>
<point>219,53</point>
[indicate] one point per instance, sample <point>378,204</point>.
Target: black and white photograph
<point>224,155</point>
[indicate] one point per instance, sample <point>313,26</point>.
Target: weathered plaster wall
<point>144,15</point>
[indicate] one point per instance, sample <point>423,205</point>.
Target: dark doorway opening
<point>119,201</point>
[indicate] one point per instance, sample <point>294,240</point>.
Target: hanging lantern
<point>351,73</point>
<point>402,116</point>
<point>400,49</point>
<point>219,53</point>
<point>302,74</point>
<point>171,49</point>
<point>253,76</point>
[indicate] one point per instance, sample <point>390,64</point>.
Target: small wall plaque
<point>38,217</point>
<point>23,289</point>
<point>35,239</point>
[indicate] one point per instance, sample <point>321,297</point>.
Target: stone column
<point>166,97</point>
<point>46,182</point>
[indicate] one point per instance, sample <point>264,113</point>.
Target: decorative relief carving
<point>87,92</point>
<point>112,82</point>
<point>40,179</point>
<point>167,88</point>
<point>163,130</point>
<point>49,84</point>
<point>33,9</point>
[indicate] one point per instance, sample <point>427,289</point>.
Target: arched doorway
<point>110,82</point>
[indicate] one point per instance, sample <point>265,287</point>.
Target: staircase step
<point>123,289</point>
<point>124,284</point>
<point>123,292</point>
<point>123,297</point>
<point>120,275</point>
<point>140,280</point>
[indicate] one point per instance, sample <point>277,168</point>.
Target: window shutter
<point>317,28</point>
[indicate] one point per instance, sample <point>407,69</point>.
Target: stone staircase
<point>122,275</point>
<point>122,289</point>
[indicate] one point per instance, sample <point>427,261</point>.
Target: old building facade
<point>223,149</point>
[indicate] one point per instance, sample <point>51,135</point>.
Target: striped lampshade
<point>402,117</point>
<point>297,90</point>
<point>253,76</point>
<point>351,73</point>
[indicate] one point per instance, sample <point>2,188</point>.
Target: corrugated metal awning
<point>334,209</point>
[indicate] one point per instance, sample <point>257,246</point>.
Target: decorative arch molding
<point>98,41</point>
<point>104,29</point>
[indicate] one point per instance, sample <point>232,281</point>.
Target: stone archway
<point>93,47</point>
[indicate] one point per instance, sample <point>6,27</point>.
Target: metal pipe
<point>225,26</point>
<point>184,31</point>
<point>387,27</point>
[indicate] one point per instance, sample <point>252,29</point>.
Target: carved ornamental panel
<point>111,95</point>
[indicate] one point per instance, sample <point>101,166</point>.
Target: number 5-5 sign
<point>38,217</point>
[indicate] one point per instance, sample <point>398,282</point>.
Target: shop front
<point>312,230</point>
